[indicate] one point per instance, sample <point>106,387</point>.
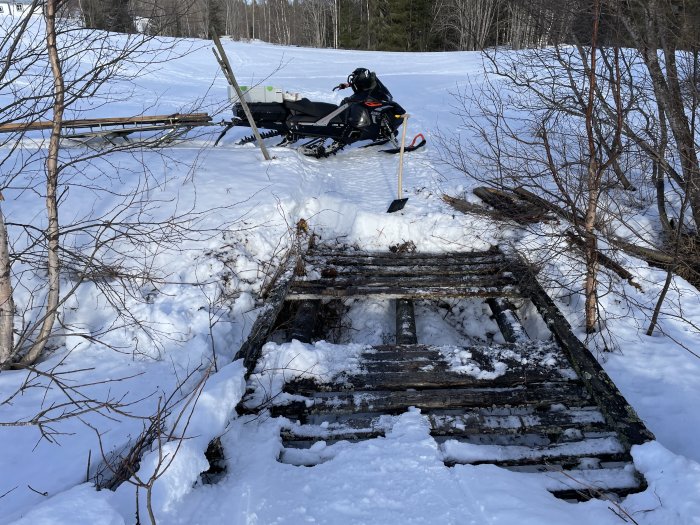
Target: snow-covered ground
<point>399,478</point>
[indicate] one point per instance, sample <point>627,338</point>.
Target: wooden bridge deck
<point>534,406</point>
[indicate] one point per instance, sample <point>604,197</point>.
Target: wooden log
<point>618,413</point>
<point>276,294</point>
<point>405,323</point>
<point>304,323</point>
<point>507,320</point>
<point>652,256</point>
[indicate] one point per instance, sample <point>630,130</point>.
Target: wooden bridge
<point>538,406</point>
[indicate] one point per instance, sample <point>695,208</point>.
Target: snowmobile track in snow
<point>543,407</point>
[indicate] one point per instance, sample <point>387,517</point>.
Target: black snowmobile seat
<point>313,109</point>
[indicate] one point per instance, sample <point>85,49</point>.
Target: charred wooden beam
<point>405,323</point>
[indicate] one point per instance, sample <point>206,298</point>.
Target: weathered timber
<point>405,323</point>
<point>488,438</point>
<point>418,259</point>
<point>250,349</point>
<point>405,293</point>
<point>507,320</point>
<point>392,351</point>
<point>329,271</point>
<point>304,323</point>
<point>393,378</point>
<point>582,484</point>
<point>550,457</point>
<point>546,205</point>
<point>386,281</point>
<point>404,287</point>
<point>474,422</point>
<point>359,254</point>
<point>509,205</point>
<point>393,402</point>
<point>571,452</point>
<point>618,413</point>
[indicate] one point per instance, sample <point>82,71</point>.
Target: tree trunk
<point>593,186</point>
<point>51,190</point>
<point>7,305</point>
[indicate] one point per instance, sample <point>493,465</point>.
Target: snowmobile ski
<point>411,147</point>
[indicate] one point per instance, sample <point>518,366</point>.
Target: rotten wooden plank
<point>392,402</point>
<point>400,281</point>
<point>330,271</point>
<point>359,254</point>
<point>403,293</point>
<point>398,379</point>
<point>471,422</point>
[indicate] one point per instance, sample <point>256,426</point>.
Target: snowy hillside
<point>398,479</point>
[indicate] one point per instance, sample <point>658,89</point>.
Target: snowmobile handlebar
<point>342,85</point>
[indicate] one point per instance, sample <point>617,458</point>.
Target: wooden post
<point>222,59</point>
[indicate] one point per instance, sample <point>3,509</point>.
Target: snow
<point>399,477</point>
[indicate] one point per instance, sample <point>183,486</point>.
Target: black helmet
<point>361,79</point>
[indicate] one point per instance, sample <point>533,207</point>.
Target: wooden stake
<point>222,59</point>
<point>403,146</point>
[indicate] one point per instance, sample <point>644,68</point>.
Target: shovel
<point>398,204</point>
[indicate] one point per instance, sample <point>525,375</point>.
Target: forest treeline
<point>387,25</point>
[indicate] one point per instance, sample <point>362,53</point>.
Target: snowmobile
<point>330,127</point>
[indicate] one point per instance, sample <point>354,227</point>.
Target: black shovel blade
<point>396,205</point>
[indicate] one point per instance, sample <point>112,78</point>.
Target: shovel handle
<point>403,146</point>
